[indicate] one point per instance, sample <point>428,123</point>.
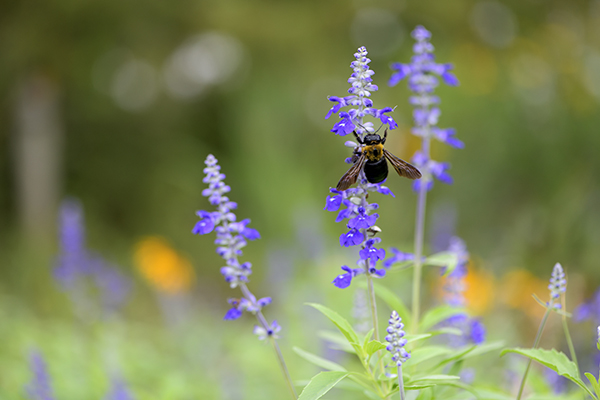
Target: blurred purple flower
<point>118,390</point>
<point>589,310</point>
<point>473,330</point>
<point>422,75</point>
<point>40,387</point>
<point>557,286</point>
<point>76,266</point>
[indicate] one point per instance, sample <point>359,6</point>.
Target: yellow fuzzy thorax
<point>374,152</point>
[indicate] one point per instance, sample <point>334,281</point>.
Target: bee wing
<point>402,167</point>
<point>349,178</point>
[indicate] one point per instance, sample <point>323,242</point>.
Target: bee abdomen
<point>376,171</point>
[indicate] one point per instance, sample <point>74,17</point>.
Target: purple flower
<point>118,390</point>
<point>558,285</point>
<point>395,338</point>
<point>113,285</point>
<point>362,220</point>
<point>342,281</point>
<point>352,238</point>
<point>271,331</point>
<point>454,283</point>
<point>39,388</point>
<point>590,310</point>
<point>473,330</point>
<point>370,252</point>
<point>398,257</point>
<point>76,265</point>
<point>423,75</point>
<point>361,82</point>
<point>231,238</point>
<point>352,204</point>
<point>333,203</point>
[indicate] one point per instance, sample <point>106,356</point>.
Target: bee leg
<point>358,137</point>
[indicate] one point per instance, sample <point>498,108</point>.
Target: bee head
<point>372,138</point>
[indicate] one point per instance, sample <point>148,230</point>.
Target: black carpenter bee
<point>371,157</point>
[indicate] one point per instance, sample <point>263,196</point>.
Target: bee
<point>372,158</point>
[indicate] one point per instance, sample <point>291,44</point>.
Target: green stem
<point>419,234</point>
<point>567,333</point>
<point>401,384</point>
<point>535,345</point>
<point>263,321</point>
<point>373,304</point>
<point>286,373</point>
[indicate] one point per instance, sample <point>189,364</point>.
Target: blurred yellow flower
<point>518,286</point>
<point>162,266</point>
<point>480,290</point>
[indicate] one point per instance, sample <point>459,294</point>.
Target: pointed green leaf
<point>339,341</point>
<point>556,310</point>
<point>342,324</point>
<point>437,315</point>
<point>318,361</point>
<point>367,337</point>
<point>423,354</point>
<point>320,384</point>
<point>374,346</point>
<point>555,360</point>
<point>594,383</point>
<point>436,379</point>
<point>484,348</point>
<point>443,259</point>
<point>414,338</point>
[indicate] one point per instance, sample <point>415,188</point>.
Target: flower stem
<point>401,384</point>
<point>567,333</point>
<point>263,321</point>
<point>286,373</point>
<point>373,304</point>
<point>535,344</point>
<point>419,234</point>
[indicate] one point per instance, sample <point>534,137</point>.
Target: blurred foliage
<point>526,188</point>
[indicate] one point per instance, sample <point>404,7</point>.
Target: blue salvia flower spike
<point>39,388</point>
<point>423,75</point>
<point>396,342</point>
<point>557,286</point>
<point>232,237</point>
<point>351,204</point>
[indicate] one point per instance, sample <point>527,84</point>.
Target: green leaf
<point>437,315</point>
<point>374,346</point>
<point>342,324</point>
<point>443,259</point>
<point>556,361</point>
<point>367,338</point>
<point>423,354</point>
<point>414,338</point>
<point>393,302</point>
<point>320,384</point>
<point>435,379</point>
<point>338,340</point>
<point>594,383</point>
<point>556,310</point>
<point>318,361</point>
<point>484,348</point>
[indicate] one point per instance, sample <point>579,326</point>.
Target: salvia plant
<point>418,354</point>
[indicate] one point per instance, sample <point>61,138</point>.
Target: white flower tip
<point>351,144</point>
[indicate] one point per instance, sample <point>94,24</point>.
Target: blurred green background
<point>118,103</point>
